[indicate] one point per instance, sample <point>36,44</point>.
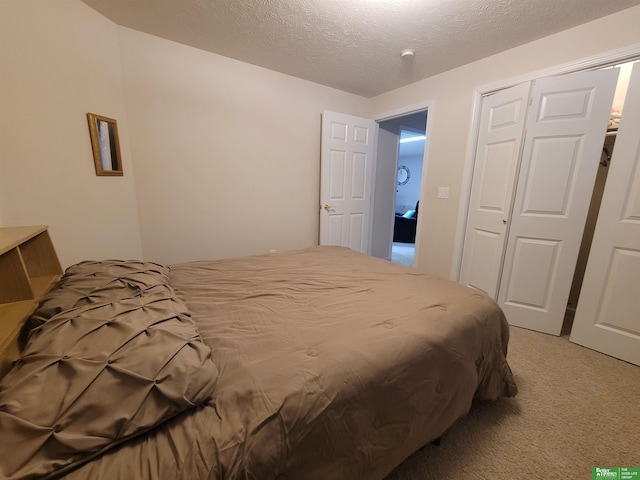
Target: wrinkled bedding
<point>330,364</point>
<point>112,353</point>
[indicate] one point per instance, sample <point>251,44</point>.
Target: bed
<point>315,363</point>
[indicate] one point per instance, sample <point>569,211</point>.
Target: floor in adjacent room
<point>403,253</point>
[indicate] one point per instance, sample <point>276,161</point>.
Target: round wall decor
<point>403,175</point>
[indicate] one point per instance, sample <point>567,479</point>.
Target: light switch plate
<point>443,192</point>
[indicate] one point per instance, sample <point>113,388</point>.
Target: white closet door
<point>348,150</point>
<point>566,125</point>
<point>608,315</point>
<point>494,173</point>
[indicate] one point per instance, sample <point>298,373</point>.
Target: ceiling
<point>355,45</point>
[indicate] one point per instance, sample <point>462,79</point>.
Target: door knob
<point>328,208</point>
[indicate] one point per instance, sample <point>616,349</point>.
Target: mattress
<point>328,364</point>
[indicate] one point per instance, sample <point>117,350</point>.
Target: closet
<point>589,228</point>
<point>538,154</point>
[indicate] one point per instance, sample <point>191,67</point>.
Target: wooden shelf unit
<point>29,267</point>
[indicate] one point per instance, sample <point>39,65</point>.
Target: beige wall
<point>58,61</point>
<point>226,153</point>
<point>450,117</point>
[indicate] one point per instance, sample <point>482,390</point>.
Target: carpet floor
<point>403,253</point>
<point>576,409</point>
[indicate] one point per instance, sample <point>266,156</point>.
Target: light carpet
<point>576,409</point>
<point>403,253</point>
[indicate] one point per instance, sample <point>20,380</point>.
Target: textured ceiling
<point>355,45</point>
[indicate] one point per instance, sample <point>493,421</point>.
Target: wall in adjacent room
<point>408,194</point>
<point>58,61</point>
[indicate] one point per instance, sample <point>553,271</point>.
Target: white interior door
<point>608,315</point>
<point>566,125</point>
<point>348,150</point>
<point>496,164</point>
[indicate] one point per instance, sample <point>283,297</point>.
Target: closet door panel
<point>552,176</point>
<point>496,165</point>
<point>566,126</point>
<point>620,306</point>
<point>531,281</point>
<point>607,318</point>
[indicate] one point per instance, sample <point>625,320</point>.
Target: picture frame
<point>105,145</point>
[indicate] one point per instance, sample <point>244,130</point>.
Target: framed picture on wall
<point>105,145</point>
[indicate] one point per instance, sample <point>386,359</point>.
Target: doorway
<point>359,177</point>
<point>399,170</point>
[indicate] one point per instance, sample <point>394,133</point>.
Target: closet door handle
<point>504,222</point>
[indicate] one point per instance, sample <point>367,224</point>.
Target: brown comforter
<point>332,365</point>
